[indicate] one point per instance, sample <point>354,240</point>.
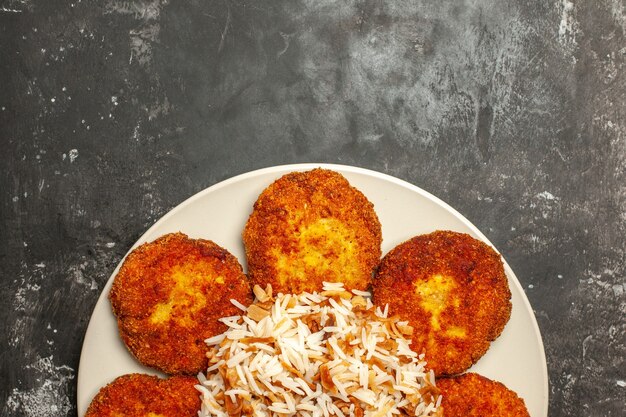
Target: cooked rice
<point>312,355</point>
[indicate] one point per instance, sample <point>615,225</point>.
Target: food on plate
<point>321,346</point>
<point>138,395</point>
<point>168,296</point>
<point>473,395</point>
<point>309,227</point>
<point>453,290</point>
<point>313,355</point>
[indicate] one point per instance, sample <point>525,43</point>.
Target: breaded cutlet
<point>453,291</point>
<point>309,227</point>
<point>168,296</point>
<point>473,395</point>
<point>139,395</point>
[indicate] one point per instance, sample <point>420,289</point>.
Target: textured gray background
<point>113,112</point>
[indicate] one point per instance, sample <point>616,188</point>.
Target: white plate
<point>219,213</point>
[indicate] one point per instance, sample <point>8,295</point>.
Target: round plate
<point>219,213</point>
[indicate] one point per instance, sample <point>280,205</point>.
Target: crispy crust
<point>168,296</point>
<point>310,227</point>
<point>473,395</point>
<point>138,395</point>
<point>453,290</point>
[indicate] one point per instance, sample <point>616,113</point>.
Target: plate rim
<point>275,169</point>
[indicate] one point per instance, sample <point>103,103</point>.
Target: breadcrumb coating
<point>310,227</point>
<point>168,297</point>
<point>473,395</point>
<point>138,395</point>
<point>453,290</point>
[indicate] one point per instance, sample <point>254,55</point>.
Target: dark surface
<point>113,112</point>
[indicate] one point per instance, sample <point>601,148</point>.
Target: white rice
<point>238,305</point>
<point>362,293</point>
<point>315,355</point>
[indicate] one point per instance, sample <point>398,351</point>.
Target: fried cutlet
<point>473,395</point>
<point>138,395</point>
<point>453,291</point>
<point>168,297</point>
<point>310,227</point>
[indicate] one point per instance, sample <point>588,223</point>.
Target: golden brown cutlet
<point>453,291</point>
<point>168,297</point>
<point>310,227</point>
<point>473,395</point>
<point>138,395</point>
